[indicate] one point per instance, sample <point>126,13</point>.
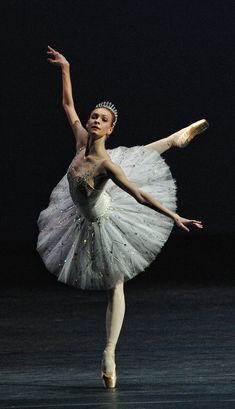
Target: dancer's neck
<point>95,147</point>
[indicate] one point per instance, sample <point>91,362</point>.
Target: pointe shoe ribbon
<point>191,131</point>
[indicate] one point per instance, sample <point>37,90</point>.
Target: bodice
<point>92,203</point>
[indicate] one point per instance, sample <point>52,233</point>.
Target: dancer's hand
<point>58,59</point>
<point>183,223</point>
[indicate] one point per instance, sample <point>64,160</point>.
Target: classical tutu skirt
<point>122,240</point>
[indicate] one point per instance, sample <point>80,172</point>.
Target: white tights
<point>114,319</point>
<point>164,144</point>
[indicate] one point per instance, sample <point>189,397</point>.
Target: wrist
<point>65,67</point>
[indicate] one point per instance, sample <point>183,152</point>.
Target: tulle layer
<point>123,241</point>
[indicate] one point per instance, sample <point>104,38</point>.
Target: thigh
<point>117,289</point>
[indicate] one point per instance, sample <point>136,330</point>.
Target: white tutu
<point>111,236</point>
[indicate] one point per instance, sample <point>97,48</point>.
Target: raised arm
<point>118,176</point>
<point>79,131</point>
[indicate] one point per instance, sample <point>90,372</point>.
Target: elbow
<point>67,105</point>
<point>140,198</point>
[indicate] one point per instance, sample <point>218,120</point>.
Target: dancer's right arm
<point>117,175</point>
<point>79,131</point>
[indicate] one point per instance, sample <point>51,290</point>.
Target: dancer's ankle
<point>109,349</point>
<point>108,361</point>
<point>173,139</point>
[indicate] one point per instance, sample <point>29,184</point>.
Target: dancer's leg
<point>164,144</point>
<point>114,319</point>
<point>181,138</point>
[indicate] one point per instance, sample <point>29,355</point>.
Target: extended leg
<point>164,144</point>
<point>114,319</point>
<point>181,138</point>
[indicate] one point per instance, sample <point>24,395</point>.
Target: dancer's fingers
<point>200,226</point>
<point>183,226</point>
<point>51,60</point>
<point>197,224</point>
<point>52,49</point>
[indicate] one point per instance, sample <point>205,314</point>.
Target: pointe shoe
<point>191,131</point>
<point>109,379</point>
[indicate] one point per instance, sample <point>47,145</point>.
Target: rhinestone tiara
<point>111,107</point>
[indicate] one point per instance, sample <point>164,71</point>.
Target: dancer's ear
<point>109,132</point>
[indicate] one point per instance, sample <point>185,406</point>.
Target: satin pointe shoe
<point>109,378</point>
<point>190,132</point>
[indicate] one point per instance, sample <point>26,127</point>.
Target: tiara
<point>111,107</point>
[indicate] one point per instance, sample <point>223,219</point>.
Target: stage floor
<point>176,350</point>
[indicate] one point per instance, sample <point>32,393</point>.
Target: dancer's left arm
<point>117,175</point>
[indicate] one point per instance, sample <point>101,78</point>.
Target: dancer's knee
<point>117,291</point>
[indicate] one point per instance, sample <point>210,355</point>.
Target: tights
<point>116,299</point>
<point>114,319</point>
<point>166,143</point>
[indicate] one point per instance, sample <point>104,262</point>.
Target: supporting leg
<point>114,319</point>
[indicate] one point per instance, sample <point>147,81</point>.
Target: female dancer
<point>106,220</point>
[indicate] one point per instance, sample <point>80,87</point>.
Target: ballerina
<point>111,213</point>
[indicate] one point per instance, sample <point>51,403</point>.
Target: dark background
<point>164,64</point>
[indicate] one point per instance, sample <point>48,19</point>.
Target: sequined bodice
<point>92,203</point>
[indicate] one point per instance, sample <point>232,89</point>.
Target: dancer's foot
<point>190,132</point>
<point>108,370</point>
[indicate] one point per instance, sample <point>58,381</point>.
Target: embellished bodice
<point>92,203</point>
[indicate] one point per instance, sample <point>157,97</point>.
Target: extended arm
<point>79,131</point>
<point>119,177</point>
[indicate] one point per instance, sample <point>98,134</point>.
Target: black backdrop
<point>163,63</point>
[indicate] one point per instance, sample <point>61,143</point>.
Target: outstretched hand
<point>182,223</point>
<point>57,58</point>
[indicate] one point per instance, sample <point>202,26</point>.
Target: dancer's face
<point>99,123</point>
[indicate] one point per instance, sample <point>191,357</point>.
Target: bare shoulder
<point>114,171</point>
<point>110,167</point>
